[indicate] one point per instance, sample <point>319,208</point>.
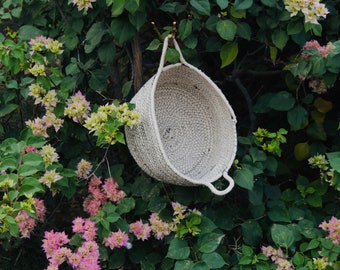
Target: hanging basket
<point>187,133</point>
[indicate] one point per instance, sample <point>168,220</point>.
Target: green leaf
<point>172,55</point>
<point>94,36</point>
<point>252,232</point>
<point>154,45</point>
<point>316,131</point>
<point>12,195</point>
<point>117,7</point>
<point>238,14</point>
<point>107,52</point>
<point>298,259</point>
<point>202,6</point>
<point>137,19</point>
<point>27,32</point>
<point>282,235</point>
<point>247,250</point>
<point>157,204</point>
<point>191,41</point>
<point>8,163</point>
<point>200,266</point>
<point>297,117</point>
<point>126,205</point>
<point>243,4</point>
<point>334,160</point>
<point>33,159</point>
<point>279,213</point>
<point>245,260</point>
<point>126,88</point>
<point>72,69</point>
<point>30,185</point>
<point>209,242</point>
<point>120,137</point>
<point>7,109</point>
<point>183,265</point>
<point>314,200</point>
<point>122,29</point>
<point>13,226</point>
<point>223,4</point>
<point>226,29</point>
<point>270,3</point>
<point>301,151</point>
<point>206,225</point>
<point>273,53</point>
<point>294,27</point>
<point>313,244</point>
<point>228,53</point>
<point>279,38</point>
<point>282,101</point>
<point>257,155</point>
<point>184,28</point>
<point>132,5</point>
<point>27,170</point>
<point>178,249</point>
<point>244,178</point>
<point>244,30</point>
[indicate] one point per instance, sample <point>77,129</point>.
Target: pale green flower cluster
<point>50,177</point>
<point>126,116</point>
<point>106,122</point>
<point>41,43</point>
<point>37,70</point>
<point>326,172</point>
<point>37,92</point>
<point>83,4</point>
<point>49,154</point>
<point>97,120</point>
<point>313,10</point>
<point>321,263</point>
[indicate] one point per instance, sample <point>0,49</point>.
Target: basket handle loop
<point>225,191</point>
<point>165,48</point>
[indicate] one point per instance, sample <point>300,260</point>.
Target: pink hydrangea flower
<point>116,240</point>
<point>278,257</point>
<point>31,149</point>
<point>84,168</point>
<point>140,230</point>
<point>54,240</point>
<point>178,208</point>
<point>111,190</point>
<point>26,224</point>
<point>333,228</point>
<point>159,227</point>
<point>92,206</point>
<point>38,127</point>
<point>90,230</point>
<point>40,209</point>
<point>77,108</point>
<point>78,225</point>
<point>99,194</point>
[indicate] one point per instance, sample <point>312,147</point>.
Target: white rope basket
<point>187,134</point>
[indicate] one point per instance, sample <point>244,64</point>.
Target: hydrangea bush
<point>72,197</point>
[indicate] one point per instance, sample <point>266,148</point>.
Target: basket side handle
<point>224,191</point>
<point>165,48</point>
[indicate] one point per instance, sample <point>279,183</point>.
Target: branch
<point>137,65</point>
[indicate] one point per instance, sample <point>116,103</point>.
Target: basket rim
<point>227,163</point>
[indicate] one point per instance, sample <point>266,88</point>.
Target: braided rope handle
<point>165,48</point>
<point>224,191</point>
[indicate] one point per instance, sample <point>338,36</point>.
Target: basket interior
<point>196,129</point>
